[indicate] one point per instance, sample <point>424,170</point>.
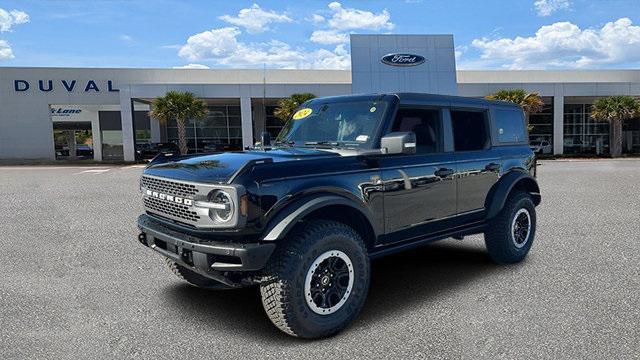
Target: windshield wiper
<point>325,143</point>
<point>289,143</point>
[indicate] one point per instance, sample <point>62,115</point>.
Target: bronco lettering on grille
<point>171,198</point>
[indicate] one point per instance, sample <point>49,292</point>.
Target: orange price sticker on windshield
<point>302,113</point>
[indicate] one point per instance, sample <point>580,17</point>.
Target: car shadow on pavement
<point>399,282</point>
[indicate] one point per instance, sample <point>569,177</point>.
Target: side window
<point>470,130</point>
<point>510,126</point>
<point>425,123</point>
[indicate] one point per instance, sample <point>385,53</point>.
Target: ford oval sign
<point>403,59</point>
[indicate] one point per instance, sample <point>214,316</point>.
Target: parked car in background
<point>145,151</point>
<point>83,151</point>
<point>541,147</point>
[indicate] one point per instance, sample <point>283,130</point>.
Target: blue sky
<point>525,34</point>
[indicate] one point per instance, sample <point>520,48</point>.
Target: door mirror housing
<point>399,143</point>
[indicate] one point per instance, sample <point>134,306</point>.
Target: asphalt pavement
<point>77,284</point>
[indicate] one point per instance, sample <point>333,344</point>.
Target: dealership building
<point>47,113</point>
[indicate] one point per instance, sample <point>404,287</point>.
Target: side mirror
<point>399,143</point>
<point>265,138</point>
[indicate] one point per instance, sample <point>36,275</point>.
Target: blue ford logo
<point>403,59</point>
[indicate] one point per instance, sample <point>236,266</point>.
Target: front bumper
<point>206,257</point>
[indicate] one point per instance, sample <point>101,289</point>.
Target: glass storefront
<point>272,124</point>
<point>220,130</point>
<point>631,136</point>
<point>73,140</point>
<point>541,124</point>
<point>582,134</point>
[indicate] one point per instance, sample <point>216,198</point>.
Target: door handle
<point>492,167</point>
<point>443,172</point>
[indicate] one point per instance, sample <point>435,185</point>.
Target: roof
<point>458,100</point>
<point>425,98</point>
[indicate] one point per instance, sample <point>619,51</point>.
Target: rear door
<point>478,166</point>
<point>419,189</point>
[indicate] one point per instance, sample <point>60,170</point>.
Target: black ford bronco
<point>349,179</point>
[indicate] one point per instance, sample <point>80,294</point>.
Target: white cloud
<point>548,7</point>
<point>255,19</point>
<point>565,45</point>
<point>339,58</point>
<point>7,20</point>
<point>192,66</point>
<point>329,37</point>
<point>342,20</point>
<point>10,18</point>
<point>125,38</point>
<point>5,51</point>
<point>351,19</point>
<point>222,47</point>
<point>210,44</point>
<point>317,18</point>
<point>459,51</point>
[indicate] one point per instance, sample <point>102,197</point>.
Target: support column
<point>126,118</point>
<point>558,124</point>
<point>247,125</point>
<point>71,139</point>
<point>96,137</point>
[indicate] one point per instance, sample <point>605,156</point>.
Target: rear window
<point>510,126</point>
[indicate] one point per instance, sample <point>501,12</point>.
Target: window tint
<point>510,125</point>
<point>425,123</point>
<point>470,130</point>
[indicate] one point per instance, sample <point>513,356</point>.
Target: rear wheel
<point>316,282</point>
<point>194,278</point>
<point>510,234</point>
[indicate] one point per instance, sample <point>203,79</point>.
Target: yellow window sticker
<point>302,113</point>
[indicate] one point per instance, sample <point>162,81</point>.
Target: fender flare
<point>287,218</point>
<point>500,191</point>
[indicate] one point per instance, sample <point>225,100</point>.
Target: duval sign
<point>64,85</point>
<point>403,59</point>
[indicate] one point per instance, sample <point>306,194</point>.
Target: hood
<point>220,168</point>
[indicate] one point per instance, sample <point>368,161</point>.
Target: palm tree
<point>287,106</point>
<point>529,102</point>
<point>615,110</point>
<point>178,106</point>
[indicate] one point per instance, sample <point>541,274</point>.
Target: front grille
<point>169,208</point>
<point>169,187</point>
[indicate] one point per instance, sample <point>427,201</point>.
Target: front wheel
<point>316,282</point>
<point>510,234</point>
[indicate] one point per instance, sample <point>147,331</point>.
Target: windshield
<point>343,124</point>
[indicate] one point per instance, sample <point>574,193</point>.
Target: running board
<point>387,249</point>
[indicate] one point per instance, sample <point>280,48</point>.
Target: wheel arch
<point>322,206</point>
<point>515,180</point>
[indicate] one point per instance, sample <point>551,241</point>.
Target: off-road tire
<point>283,286</point>
<point>499,237</point>
<point>194,278</point>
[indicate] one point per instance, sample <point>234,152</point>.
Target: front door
<point>419,189</point>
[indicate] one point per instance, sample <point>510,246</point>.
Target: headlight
<point>222,207</point>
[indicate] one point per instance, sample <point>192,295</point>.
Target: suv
<point>541,147</point>
<point>349,179</point>
<point>145,151</point>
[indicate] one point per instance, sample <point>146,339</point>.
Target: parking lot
<point>76,284</point>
